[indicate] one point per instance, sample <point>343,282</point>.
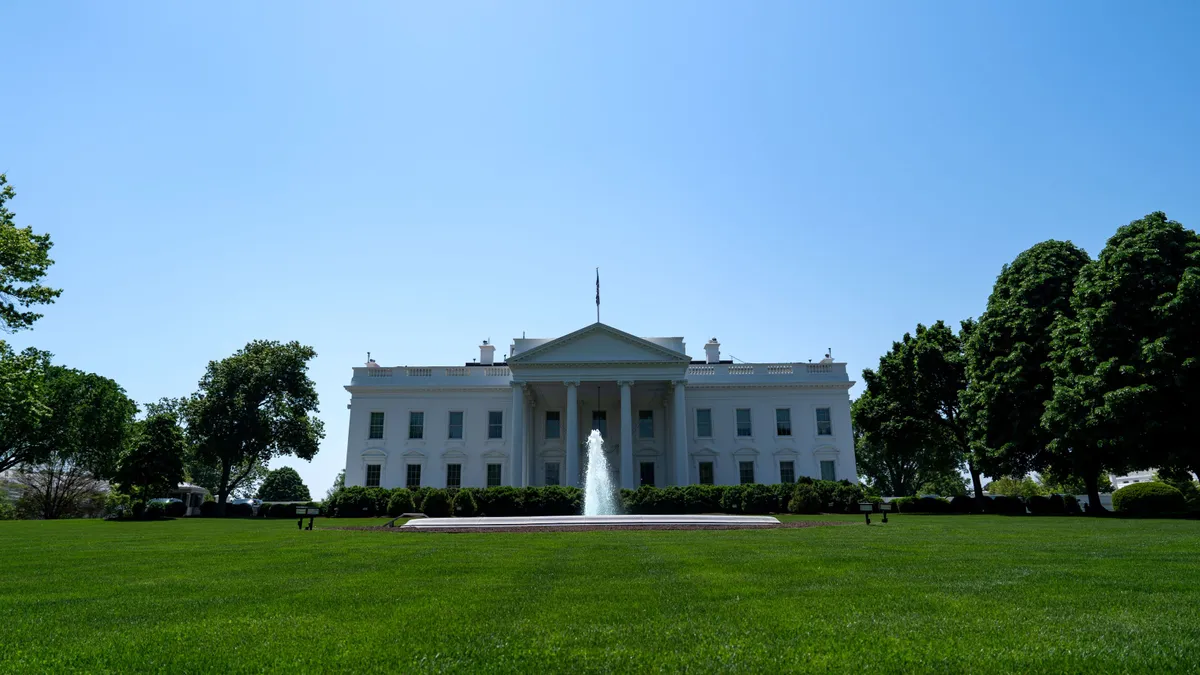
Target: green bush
<point>731,500</point>
<point>923,505</point>
<point>1148,499</point>
<point>759,499</point>
<point>436,504</point>
<point>279,510</point>
<point>238,511</point>
<point>463,504</point>
<point>1004,505</point>
<point>963,504</point>
<point>116,505</point>
<point>208,510</point>
<point>502,502</point>
<point>1071,505</point>
<point>7,510</point>
<point>1052,505</point>
<point>805,498</point>
<point>400,502</point>
<point>175,509</point>
<point>154,511</point>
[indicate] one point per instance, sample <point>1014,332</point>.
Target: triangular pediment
<point>598,343</point>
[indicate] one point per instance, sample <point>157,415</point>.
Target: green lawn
<point>923,593</point>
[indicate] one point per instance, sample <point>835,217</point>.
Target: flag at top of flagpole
<point>597,295</point>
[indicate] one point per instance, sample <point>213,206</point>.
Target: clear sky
<point>412,178</point>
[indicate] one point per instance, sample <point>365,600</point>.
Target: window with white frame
<point>454,429</point>
<point>783,421</point>
<point>824,423</point>
<point>373,475</point>
<point>704,423</point>
<point>827,470</point>
<point>746,472</point>
<point>706,473</point>
<point>551,473</point>
<point>495,424</point>
<point>376,430</point>
<point>743,422</point>
<point>553,425</point>
<point>645,424</point>
<point>453,475</point>
<point>787,472</point>
<point>416,425</point>
<point>412,476</point>
<point>493,475</point>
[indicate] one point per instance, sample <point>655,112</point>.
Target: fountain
<point>599,496</point>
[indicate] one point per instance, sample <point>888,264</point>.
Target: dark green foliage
<point>923,505</point>
<point>208,510</point>
<point>24,260</point>
<point>751,499</point>
<point>1004,505</point>
<point>283,485</point>
<point>436,504</point>
<point>400,502</point>
<point>805,499</point>
<point>463,504</point>
<point>23,406</point>
<point>502,502</point>
<point>154,511</point>
<point>1042,505</point>
<point>280,510</point>
<point>239,511</point>
<point>154,464</point>
<point>1148,499</point>
<point>964,504</point>
<point>1071,505</point>
<point>175,509</point>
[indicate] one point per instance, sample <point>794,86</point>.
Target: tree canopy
<point>23,408</point>
<point>154,463</point>
<point>283,485</point>
<point>24,259</point>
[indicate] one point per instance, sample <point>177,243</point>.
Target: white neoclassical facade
<point>666,419</point>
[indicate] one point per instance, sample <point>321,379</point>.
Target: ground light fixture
<point>303,511</point>
<point>866,508</point>
<point>885,507</point>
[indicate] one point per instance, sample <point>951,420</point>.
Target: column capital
<point>571,383</point>
<point>679,383</point>
<point>625,383</point>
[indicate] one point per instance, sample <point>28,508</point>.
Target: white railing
<point>741,370</point>
<point>457,372</point>
<point>496,371</point>
<point>420,372</point>
<point>379,372</point>
<point>782,369</point>
<point>702,370</point>
<point>819,367</point>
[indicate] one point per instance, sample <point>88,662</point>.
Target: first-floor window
<point>746,472</point>
<point>493,477</point>
<point>453,475</point>
<point>412,477</point>
<point>373,473</point>
<point>551,473</point>
<point>496,424</point>
<point>824,422</point>
<point>827,470</point>
<point>648,473</point>
<point>787,472</point>
<point>706,473</point>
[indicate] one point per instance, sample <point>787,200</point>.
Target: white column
<point>572,442</point>
<point>680,434</point>
<point>627,479</point>
<point>518,434</point>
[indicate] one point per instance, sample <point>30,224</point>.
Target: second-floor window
<point>783,421</point>
<point>552,424</point>
<point>376,430</point>
<point>496,424</point>
<point>743,422</point>
<point>645,424</point>
<point>824,423</point>
<point>455,428</point>
<point>704,423</point>
<point>416,425</point>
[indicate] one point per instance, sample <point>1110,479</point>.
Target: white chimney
<point>486,352</point>
<point>712,351</point>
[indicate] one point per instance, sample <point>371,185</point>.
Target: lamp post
<point>866,508</point>
<point>885,507</point>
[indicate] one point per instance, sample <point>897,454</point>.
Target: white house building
<point>665,419</point>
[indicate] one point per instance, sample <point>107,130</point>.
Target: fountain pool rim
<point>584,522</point>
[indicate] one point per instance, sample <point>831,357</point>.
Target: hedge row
<point>804,496</point>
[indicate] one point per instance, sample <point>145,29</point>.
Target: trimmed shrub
<point>1071,505</point>
<point>208,510</point>
<point>154,511</point>
<point>1146,499</point>
<point>279,510</point>
<point>436,504</point>
<point>175,509</point>
<point>923,505</point>
<point>501,502</point>
<point>238,511</point>
<point>805,498</point>
<point>463,504</point>
<point>731,500</point>
<point>759,499</point>
<point>400,502</point>
<point>1052,505</point>
<point>1005,505</point>
<point>963,504</point>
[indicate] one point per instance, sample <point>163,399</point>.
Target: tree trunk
<point>1092,482</point>
<point>223,488</point>
<point>975,482</point>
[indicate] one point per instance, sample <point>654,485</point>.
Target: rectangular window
<point>783,421</point>
<point>824,425</point>
<point>746,472</point>
<point>647,473</point>
<point>703,423</point>
<point>453,475</point>
<point>495,424</point>
<point>827,471</point>
<point>416,425</point>
<point>787,472</point>
<point>553,427</point>
<point>376,425</point>
<point>706,473</point>
<point>412,476</point>
<point>455,429</point>
<point>373,471</point>
<point>743,422</point>
<point>493,475</point>
<point>600,422</point>
<point>645,424</point>
<point>551,473</point>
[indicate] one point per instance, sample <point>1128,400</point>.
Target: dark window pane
<point>787,472</point>
<point>551,473</point>
<point>552,424</point>
<point>455,429</point>
<point>373,471</point>
<point>783,422</point>
<point>376,425</point>
<point>496,424</point>
<point>493,475</point>
<point>706,473</point>
<point>412,478</point>
<point>647,473</point>
<point>416,425</point>
<point>746,472</point>
<point>743,422</point>
<point>704,423</point>
<point>453,475</point>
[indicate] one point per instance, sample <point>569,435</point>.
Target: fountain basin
<point>593,522</point>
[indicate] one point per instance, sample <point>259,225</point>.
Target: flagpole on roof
<point>597,295</point>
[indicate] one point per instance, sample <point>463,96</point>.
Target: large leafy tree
<point>257,404</point>
<point>900,441</point>
<point>154,463</point>
<point>284,485</point>
<point>1008,355</point>
<point>23,408</point>
<point>941,373</point>
<point>1127,358</point>
<point>24,259</point>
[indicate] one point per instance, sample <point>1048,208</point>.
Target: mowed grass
<point>921,594</point>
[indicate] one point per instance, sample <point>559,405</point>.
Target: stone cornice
<point>692,384</point>
<point>671,356</point>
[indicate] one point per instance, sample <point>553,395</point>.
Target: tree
<point>23,408</point>
<point>1072,485</point>
<point>1127,361</point>
<point>252,406</point>
<point>338,484</point>
<point>1016,487</point>
<point>949,485</point>
<point>58,487</point>
<point>24,259</point>
<point>283,485</point>
<point>1008,353</point>
<point>154,464</point>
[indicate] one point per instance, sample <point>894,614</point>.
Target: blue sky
<point>409,179</point>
